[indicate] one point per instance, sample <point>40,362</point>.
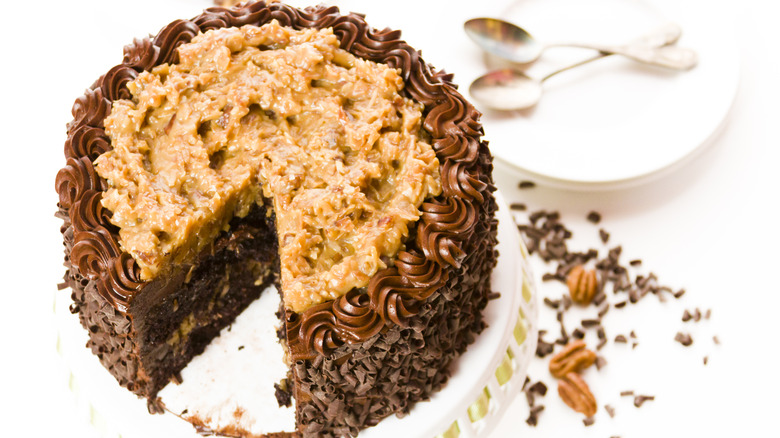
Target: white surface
<point>708,226</point>
<point>226,387</point>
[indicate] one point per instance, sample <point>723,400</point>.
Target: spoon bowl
<point>506,90</point>
<point>504,39</point>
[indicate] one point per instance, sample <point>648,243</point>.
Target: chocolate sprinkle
<point>526,185</point>
<point>610,410</point>
<point>627,393</point>
<point>517,206</point>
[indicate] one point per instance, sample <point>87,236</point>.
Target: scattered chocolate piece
<point>696,315</point>
<point>707,314</point>
<point>589,323</point>
<point>603,311</point>
<point>517,206</point>
<point>716,340</point>
<point>627,393</point>
<point>633,346</point>
<point>621,339</point>
<point>543,348</point>
<point>588,421</point>
<point>594,217</point>
<point>538,388</point>
<point>600,362</point>
<point>706,359</point>
<point>530,398</point>
<point>620,305</point>
<point>577,334</point>
<point>635,262</point>
<point>553,304</point>
<point>679,293</point>
<point>533,416</point>
<point>601,334</point>
<point>604,236</point>
<point>601,344</point>
<point>684,338</point>
<point>493,296</point>
<point>240,347</point>
<point>686,316</point>
<point>641,399</point>
<point>184,412</point>
<point>548,277</point>
<point>610,410</point>
<point>632,335</point>
<point>526,185</point>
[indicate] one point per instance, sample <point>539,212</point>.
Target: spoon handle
<point>665,35</point>
<point>672,57</point>
<point>654,48</point>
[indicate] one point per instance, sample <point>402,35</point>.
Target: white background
<point>709,226</point>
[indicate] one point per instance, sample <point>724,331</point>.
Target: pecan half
<point>576,394</point>
<point>572,359</point>
<point>583,284</point>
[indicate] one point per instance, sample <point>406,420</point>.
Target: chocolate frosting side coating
<point>444,235</point>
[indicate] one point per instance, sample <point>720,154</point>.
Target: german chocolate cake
<point>266,145</point>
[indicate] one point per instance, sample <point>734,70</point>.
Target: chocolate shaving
<point>543,348</point>
<point>594,217</point>
<point>526,185</point>
<point>610,410</point>
<point>684,338</point>
<point>283,395</point>
<point>639,400</point>
<point>604,236</point>
<point>589,323</point>
<point>533,416</point>
<point>538,388</point>
<point>588,421</point>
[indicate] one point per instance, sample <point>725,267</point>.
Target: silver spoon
<point>515,44</point>
<point>510,89</point>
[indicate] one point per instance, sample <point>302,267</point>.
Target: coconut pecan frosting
<point>443,234</point>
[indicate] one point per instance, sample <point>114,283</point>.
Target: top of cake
<point>251,112</point>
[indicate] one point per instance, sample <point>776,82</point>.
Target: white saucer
<point>219,383</point>
<point>615,121</point>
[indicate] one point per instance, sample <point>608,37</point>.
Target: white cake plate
<point>614,123</point>
<point>231,383</point>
